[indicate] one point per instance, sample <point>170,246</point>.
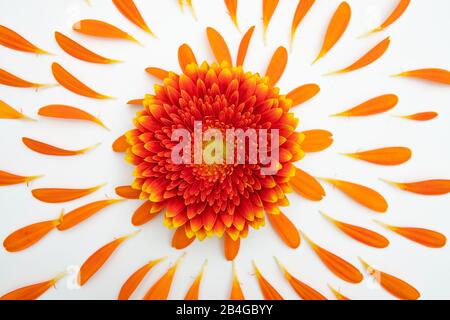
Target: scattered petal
<point>277,65</point>
<point>8,112</point>
<point>269,7</point>
<point>193,291</point>
<point>131,12</point>
<point>29,235</point>
<point>11,39</point>
<point>395,286</point>
<point>337,294</point>
<point>360,234</point>
<point>231,247</point>
<point>136,102</point>
<point>71,83</point>
<point>389,156</point>
<point>338,24</point>
<point>335,264</point>
<point>33,291</point>
<point>398,11</point>
<point>80,214</point>
<point>136,278</point>
<point>236,291</point>
<point>99,257</point>
<point>306,185</point>
<point>58,195</point>
<point>160,290</point>
<point>303,93</point>
<point>243,46</point>
<point>50,150</point>
<point>303,290</point>
<point>101,29</point>
<point>267,290</point>
<point>232,10</point>
<point>285,229</point>
<point>427,187</point>
<point>371,56</point>
<point>66,112</point>
<point>146,212</point>
<point>429,74</point>
<point>7,179</point>
<point>218,46</point>
<point>373,106</point>
<point>421,116</point>
<point>316,140</point>
<point>426,237</point>
<point>180,240</point>
<point>302,9</point>
<point>361,194</point>
<point>11,80</point>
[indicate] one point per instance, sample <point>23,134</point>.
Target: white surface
<point>419,39</point>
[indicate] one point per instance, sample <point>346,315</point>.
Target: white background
<point>419,39</point>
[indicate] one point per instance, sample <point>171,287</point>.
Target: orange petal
<point>180,240</point>
<point>429,74</point>
<point>316,140</point>
<point>50,150</point>
<point>360,234</point>
<point>66,112</point>
<point>232,10</point>
<point>193,291</point>
<point>185,56</point>
<point>303,290</point>
<point>78,51</point>
<point>303,93</point>
<point>427,187</point>
<point>337,294</point>
<point>99,257</point>
<point>101,29</point>
<point>128,192</point>
<point>11,39</point>
<point>135,279</point>
<point>29,235</point>
<point>136,102</point>
<point>373,106</point>
<point>428,238</point>
<point>11,80</point>
<point>33,291</point>
<point>395,286</point>
<point>307,186</point>
<point>120,144</point>
<point>371,56</point>
<point>231,247</point>
<point>157,72</point>
<point>144,214</point>
<point>80,214</point>
<point>58,195</point>
<point>7,179</point>
<point>160,290</point>
<point>7,112</point>
<point>337,265</point>
<point>421,116</point>
<point>336,28</point>
<point>361,194</point>
<point>236,291</point>
<point>277,65</point>
<point>267,290</point>
<point>131,12</point>
<point>243,46</point>
<point>269,7</point>
<point>302,9</point>
<point>390,156</point>
<point>285,229</point>
<point>71,83</point>
<point>398,11</point>
<point>218,46</point>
